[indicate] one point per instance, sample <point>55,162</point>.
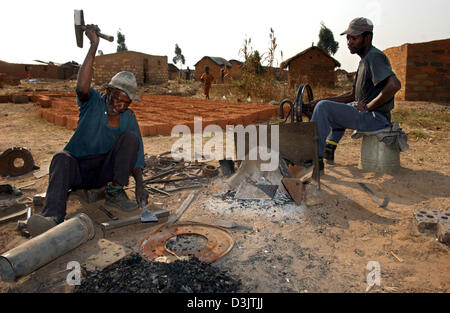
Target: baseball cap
<point>126,82</point>
<point>358,26</point>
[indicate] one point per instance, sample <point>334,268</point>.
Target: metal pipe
<point>46,247</point>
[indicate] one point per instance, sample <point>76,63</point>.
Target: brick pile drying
<point>134,274</point>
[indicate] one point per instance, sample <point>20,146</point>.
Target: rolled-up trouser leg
<point>64,174</point>
<point>119,162</point>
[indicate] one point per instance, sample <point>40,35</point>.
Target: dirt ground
<point>324,248</point>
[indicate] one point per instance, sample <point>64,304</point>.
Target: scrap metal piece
<point>248,191</point>
<point>220,241</point>
<point>109,214</point>
<point>16,161</point>
<point>210,171</point>
<point>295,188</point>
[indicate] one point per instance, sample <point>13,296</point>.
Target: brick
<point>426,220</point>
<point>4,98</point>
<point>443,232</point>
<point>20,99</point>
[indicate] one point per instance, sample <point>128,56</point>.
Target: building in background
<point>313,66</point>
<point>148,69</point>
<point>423,69</point>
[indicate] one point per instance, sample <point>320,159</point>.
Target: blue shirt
<point>94,136</point>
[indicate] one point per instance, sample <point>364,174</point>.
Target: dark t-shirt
<point>370,78</point>
<point>94,136</point>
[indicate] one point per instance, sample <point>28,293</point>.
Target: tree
<point>121,46</point>
<point>100,52</point>
<point>326,40</point>
<point>179,57</point>
<point>254,63</point>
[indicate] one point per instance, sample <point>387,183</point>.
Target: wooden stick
<point>397,257</point>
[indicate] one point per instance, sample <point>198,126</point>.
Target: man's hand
<point>141,194</point>
<point>91,33</point>
<point>360,106</point>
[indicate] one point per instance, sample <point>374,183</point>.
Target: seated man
<point>105,149</point>
<point>367,107</point>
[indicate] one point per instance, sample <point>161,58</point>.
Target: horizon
<point>202,28</point>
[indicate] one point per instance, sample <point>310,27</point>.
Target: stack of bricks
<point>423,69</point>
<point>157,115</point>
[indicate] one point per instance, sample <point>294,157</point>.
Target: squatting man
<point>367,107</point>
<point>105,149</point>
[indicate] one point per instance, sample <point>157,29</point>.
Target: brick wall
<point>214,69</point>
<point>16,71</point>
<point>423,69</point>
<point>314,68</point>
<point>235,71</point>
<point>148,69</point>
<point>398,58</point>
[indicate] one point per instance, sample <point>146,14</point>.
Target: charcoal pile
<point>134,274</point>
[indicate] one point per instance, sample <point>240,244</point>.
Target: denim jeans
<point>335,117</point>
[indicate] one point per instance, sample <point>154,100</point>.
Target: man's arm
<point>86,70</point>
<point>140,193</point>
<point>393,85</point>
<point>344,98</point>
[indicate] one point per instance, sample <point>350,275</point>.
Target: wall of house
<point>214,70</point>
<point>173,75</point>
<point>313,68</point>
<point>15,72</point>
<point>148,69</point>
<point>235,72</point>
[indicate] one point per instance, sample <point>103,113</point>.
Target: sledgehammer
<point>80,28</point>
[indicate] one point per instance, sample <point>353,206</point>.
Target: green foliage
<point>179,57</point>
<point>100,52</point>
<point>326,40</point>
<point>121,46</point>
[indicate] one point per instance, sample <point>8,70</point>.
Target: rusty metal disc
<point>9,164</point>
<point>219,242</point>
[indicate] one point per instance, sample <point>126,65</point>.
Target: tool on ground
<point>370,192</point>
<point>147,215</point>
<point>16,161</point>
<point>186,203</point>
<point>111,225</point>
<point>109,214</point>
<point>80,28</point>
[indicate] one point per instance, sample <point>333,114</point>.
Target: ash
<point>279,209</point>
<point>133,274</point>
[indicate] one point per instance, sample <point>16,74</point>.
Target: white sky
<point>44,29</point>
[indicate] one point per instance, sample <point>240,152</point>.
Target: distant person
<point>105,149</point>
<point>367,107</point>
<point>188,73</point>
<point>207,79</point>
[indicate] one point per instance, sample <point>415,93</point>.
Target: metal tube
<point>46,247</point>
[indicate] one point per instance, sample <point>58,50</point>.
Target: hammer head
<point>79,27</point>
